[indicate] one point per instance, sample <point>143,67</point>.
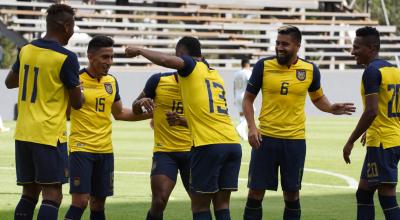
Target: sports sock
<point>390,207</point>
<point>253,209</point>
<point>74,213</point>
<point>365,205</point>
<point>202,215</point>
<point>97,215</point>
<point>48,210</point>
<point>151,217</point>
<point>292,210</point>
<point>25,208</point>
<point>222,214</point>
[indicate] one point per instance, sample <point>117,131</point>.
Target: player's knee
<point>365,196</point>
<point>160,201</point>
<point>256,194</point>
<point>97,204</point>
<point>291,196</point>
<point>80,200</point>
<point>387,189</point>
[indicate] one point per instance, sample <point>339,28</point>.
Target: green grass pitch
<point>325,195</point>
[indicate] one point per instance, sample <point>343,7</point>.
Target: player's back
<point>385,129</point>
<point>205,106</point>
<point>43,98</point>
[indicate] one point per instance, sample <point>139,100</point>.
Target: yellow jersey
<point>164,90</point>
<point>203,95</point>
<point>383,78</point>
<point>284,91</point>
<point>43,94</point>
<point>91,125</point>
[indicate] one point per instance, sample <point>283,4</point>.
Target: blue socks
<point>150,217</point>
<point>25,208</point>
<point>253,209</point>
<point>97,215</point>
<point>365,205</point>
<point>202,215</point>
<point>74,213</point>
<point>390,207</point>
<point>292,210</point>
<point>48,210</point>
<point>222,214</point>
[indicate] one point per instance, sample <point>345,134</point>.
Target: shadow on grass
<point>314,207</point>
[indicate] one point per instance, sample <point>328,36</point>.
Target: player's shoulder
<point>306,64</point>
<point>52,45</point>
<point>377,64</point>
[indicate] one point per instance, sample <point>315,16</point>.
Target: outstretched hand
<point>343,108</point>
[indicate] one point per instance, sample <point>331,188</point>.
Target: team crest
<point>77,181</point>
<point>301,75</point>
<point>108,88</point>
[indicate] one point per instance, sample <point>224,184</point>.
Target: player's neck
<point>52,37</point>
<point>93,73</point>
<point>292,61</point>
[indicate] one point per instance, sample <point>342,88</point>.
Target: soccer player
<point>216,154</point>
<point>91,157</point>
<point>380,123</point>
<point>279,142</point>
<point>47,77</point>
<point>239,87</point>
<point>172,141</point>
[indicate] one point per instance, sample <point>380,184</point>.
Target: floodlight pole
<point>385,12</point>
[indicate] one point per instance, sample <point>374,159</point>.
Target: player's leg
<point>184,170</point>
<point>365,192</point>
<point>163,178</point>
<point>263,174</point>
<point>228,179</point>
<point>80,167</point>
<point>292,158</point>
<point>25,177</point>
<point>205,165</point>
<point>102,184</point>
<point>387,171</point>
<point>97,207</point>
<point>51,164</point>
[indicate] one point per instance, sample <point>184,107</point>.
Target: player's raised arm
<point>156,57</point>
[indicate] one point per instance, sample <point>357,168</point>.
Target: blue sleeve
<point>256,79</point>
<point>117,96</point>
<point>190,63</point>
<point>371,80</point>
<point>316,82</point>
<point>151,85</point>
<point>15,67</point>
<point>69,73</point>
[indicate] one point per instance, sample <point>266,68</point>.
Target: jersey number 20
<point>393,110</point>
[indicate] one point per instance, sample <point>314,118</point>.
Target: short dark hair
<point>292,31</point>
<point>58,15</point>
<point>245,61</point>
<point>98,42</point>
<point>371,35</point>
<point>191,44</point>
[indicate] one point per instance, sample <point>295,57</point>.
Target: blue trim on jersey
<point>117,96</point>
<point>372,77</point>
<point>151,85</point>
<point>316,82</point>
<point>256,79</point>
<point>189,66</point>
<point>15,67</point>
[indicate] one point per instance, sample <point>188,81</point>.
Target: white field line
<point>351,182</point>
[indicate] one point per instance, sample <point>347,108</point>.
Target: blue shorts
<point>380,165</point>
<point>91,173</point>
<point>215,167</point>
<point>168,163</point>
<point>286,154</point>
<point>39,163</point>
